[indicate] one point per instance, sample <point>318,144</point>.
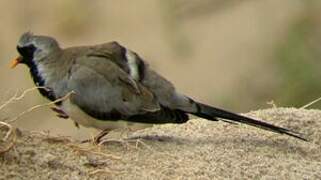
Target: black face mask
<point>27,53</point>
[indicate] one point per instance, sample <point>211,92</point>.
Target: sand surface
<point>199,149</point>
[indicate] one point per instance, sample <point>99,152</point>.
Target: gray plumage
<point>113,86</point>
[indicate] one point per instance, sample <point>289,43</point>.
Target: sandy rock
<point>198,149</point>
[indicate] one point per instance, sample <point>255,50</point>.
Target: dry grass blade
<point>17,97</point>
<point>126,143</point>
<point>310,103</point>
<point>41,105</point>
<point>93,150</point>
<point>9,139</point>
<point>100,171</point>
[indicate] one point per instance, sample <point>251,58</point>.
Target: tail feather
<point>211,113</point>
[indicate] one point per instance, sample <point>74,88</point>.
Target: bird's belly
<point>79,116</point>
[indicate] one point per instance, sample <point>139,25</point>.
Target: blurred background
<point>236,54</point>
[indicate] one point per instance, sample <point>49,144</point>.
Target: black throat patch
<point>27,53</point>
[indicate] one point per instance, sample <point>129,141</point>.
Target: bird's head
<point>33,49</point>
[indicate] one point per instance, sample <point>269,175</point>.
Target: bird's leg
<point>61,113</point>
<point>98,137</point>
<point>76,124</point>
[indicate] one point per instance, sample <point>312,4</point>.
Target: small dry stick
<point>311,103</point>
<point>41,105</point>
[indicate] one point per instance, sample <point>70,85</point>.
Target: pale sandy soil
<point>198,149</point>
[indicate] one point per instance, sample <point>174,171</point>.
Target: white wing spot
<point>132,64</point>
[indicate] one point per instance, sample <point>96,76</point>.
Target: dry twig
<point>17,98</point>
<point>41,105</point>
<point>10,133</point>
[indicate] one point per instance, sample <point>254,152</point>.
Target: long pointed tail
<point>211,113</point>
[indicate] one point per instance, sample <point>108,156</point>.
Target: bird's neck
<point>40,81</point>
<point>45,74</point>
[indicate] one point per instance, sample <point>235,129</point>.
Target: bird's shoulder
<point>110,53</point>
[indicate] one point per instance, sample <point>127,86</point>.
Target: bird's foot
<point>61,113</point>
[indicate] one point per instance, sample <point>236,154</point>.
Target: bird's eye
<point>27,51</point>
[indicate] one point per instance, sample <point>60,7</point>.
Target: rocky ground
<point>198,149</point>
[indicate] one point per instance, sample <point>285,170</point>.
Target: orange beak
<point>15,62</point>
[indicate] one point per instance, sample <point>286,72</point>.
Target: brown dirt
<point>198,149</point>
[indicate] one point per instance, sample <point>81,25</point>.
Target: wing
<point>124,58</point>
<point>105,91</point>
<point>138,70</point>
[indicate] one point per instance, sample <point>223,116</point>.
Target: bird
<point>113,87</point>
